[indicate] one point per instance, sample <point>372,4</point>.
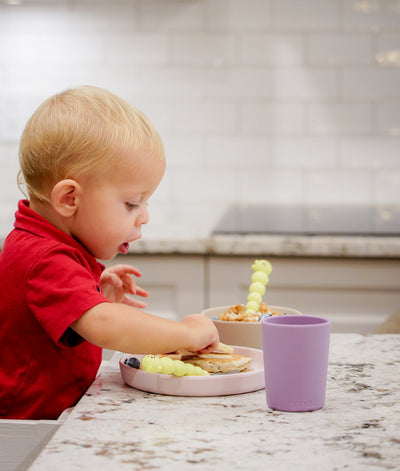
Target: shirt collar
<point>28,220</point>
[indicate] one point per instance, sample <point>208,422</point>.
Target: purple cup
<point>296,350</point>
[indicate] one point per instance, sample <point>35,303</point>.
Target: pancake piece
<point>222,348</point>
<point>186,354</point>
<point>220,362</point>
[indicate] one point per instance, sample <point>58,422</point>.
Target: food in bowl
<point>244,334</point>
<point>239,313</point>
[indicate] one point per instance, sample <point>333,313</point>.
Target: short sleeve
<point>61,287</point>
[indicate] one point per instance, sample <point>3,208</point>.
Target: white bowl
<point>245,334</point>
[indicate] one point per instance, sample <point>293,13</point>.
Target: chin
<point>106,256</point>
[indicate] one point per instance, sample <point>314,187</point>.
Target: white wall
<point>273,101</point>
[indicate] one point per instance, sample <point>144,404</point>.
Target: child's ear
<point>65,197</point>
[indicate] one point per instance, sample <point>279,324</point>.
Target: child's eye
<point>131,206</point>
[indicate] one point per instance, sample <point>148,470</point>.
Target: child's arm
<point>116,281</point>
<point>126,329</point>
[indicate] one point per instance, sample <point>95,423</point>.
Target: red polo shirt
<point>47,281</point>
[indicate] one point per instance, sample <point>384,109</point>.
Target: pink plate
<point>213,385</point>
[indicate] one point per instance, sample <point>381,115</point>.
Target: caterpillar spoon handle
<point>260,279</point>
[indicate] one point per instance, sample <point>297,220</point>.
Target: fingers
<point>133,302</point>
<point>210,348</point>
<point>124,273</point>
<point>122,269</point>
<point>112,279</point>
<point>141,292</point>
<point>131,287</point>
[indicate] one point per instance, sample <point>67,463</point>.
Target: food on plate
<point>186,363</point>
<point>133,362</point>
<point>221,362</point>
<point>165,365</point>
<point>238,314</point>
<point>259,280</point>
<point>222,348</point>
<point>185,354</point>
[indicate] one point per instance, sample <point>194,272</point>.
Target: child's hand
<point>203,333</point>
<point>117,281</point>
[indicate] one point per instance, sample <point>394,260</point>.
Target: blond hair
<point>78,132</point>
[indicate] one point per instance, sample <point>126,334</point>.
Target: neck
<point>45,210</point>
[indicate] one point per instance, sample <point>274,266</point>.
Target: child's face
<point>113,208</point>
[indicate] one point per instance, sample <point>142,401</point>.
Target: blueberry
<point>132,362</point>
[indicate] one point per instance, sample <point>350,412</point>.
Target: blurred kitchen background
<point>259,102</point>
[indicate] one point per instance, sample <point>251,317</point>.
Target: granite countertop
<point>273,245</point>
<point>117,427</point>
<point>279,245</point>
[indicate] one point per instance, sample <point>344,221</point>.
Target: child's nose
<point>144,216</point>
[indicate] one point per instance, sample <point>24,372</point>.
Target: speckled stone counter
<point>273,245</point>
<point>117,427</point>
<point>269,245</point>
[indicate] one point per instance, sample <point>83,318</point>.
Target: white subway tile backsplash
<point>216,49</point>
<point>374,153</point>
<point>14,113</point>
<point>204,186</point>
<point>186,220</point>
<point>271,49</point>
<point>387,187</point>
<point>66,49</point>
<point>340,118</point>
<point>296,100</point>
<point>269,118</point>
<point>8,154</point>
<point>332,49</point>
<point>184,152</point>
<point>238,84</point>
<point>203,118</point>
<point>121,80</point>
<point>305,152</point>
<point>158,111</point>
<point>305,84</point>
<point>103,17</point>
<point>146,84</point>
<point>270,186</point>
<point>163,194</point>
<point>139,48</point>
<point>388,119</point>
<point>337,187</point>
<point>34,18</point>
<point>238,152</point>
<point>155,83</point>
<point>371,15</point>
<point>371,84</point>
<point>18,49</point>
<point>42,80</point>
<point>171,16</point>
<point>239,15</point>
<point>308,15</point>
<point>387,51</point>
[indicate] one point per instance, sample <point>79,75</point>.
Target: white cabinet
<point>356,294</point>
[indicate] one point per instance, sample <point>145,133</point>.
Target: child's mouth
<point>124,248</point>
